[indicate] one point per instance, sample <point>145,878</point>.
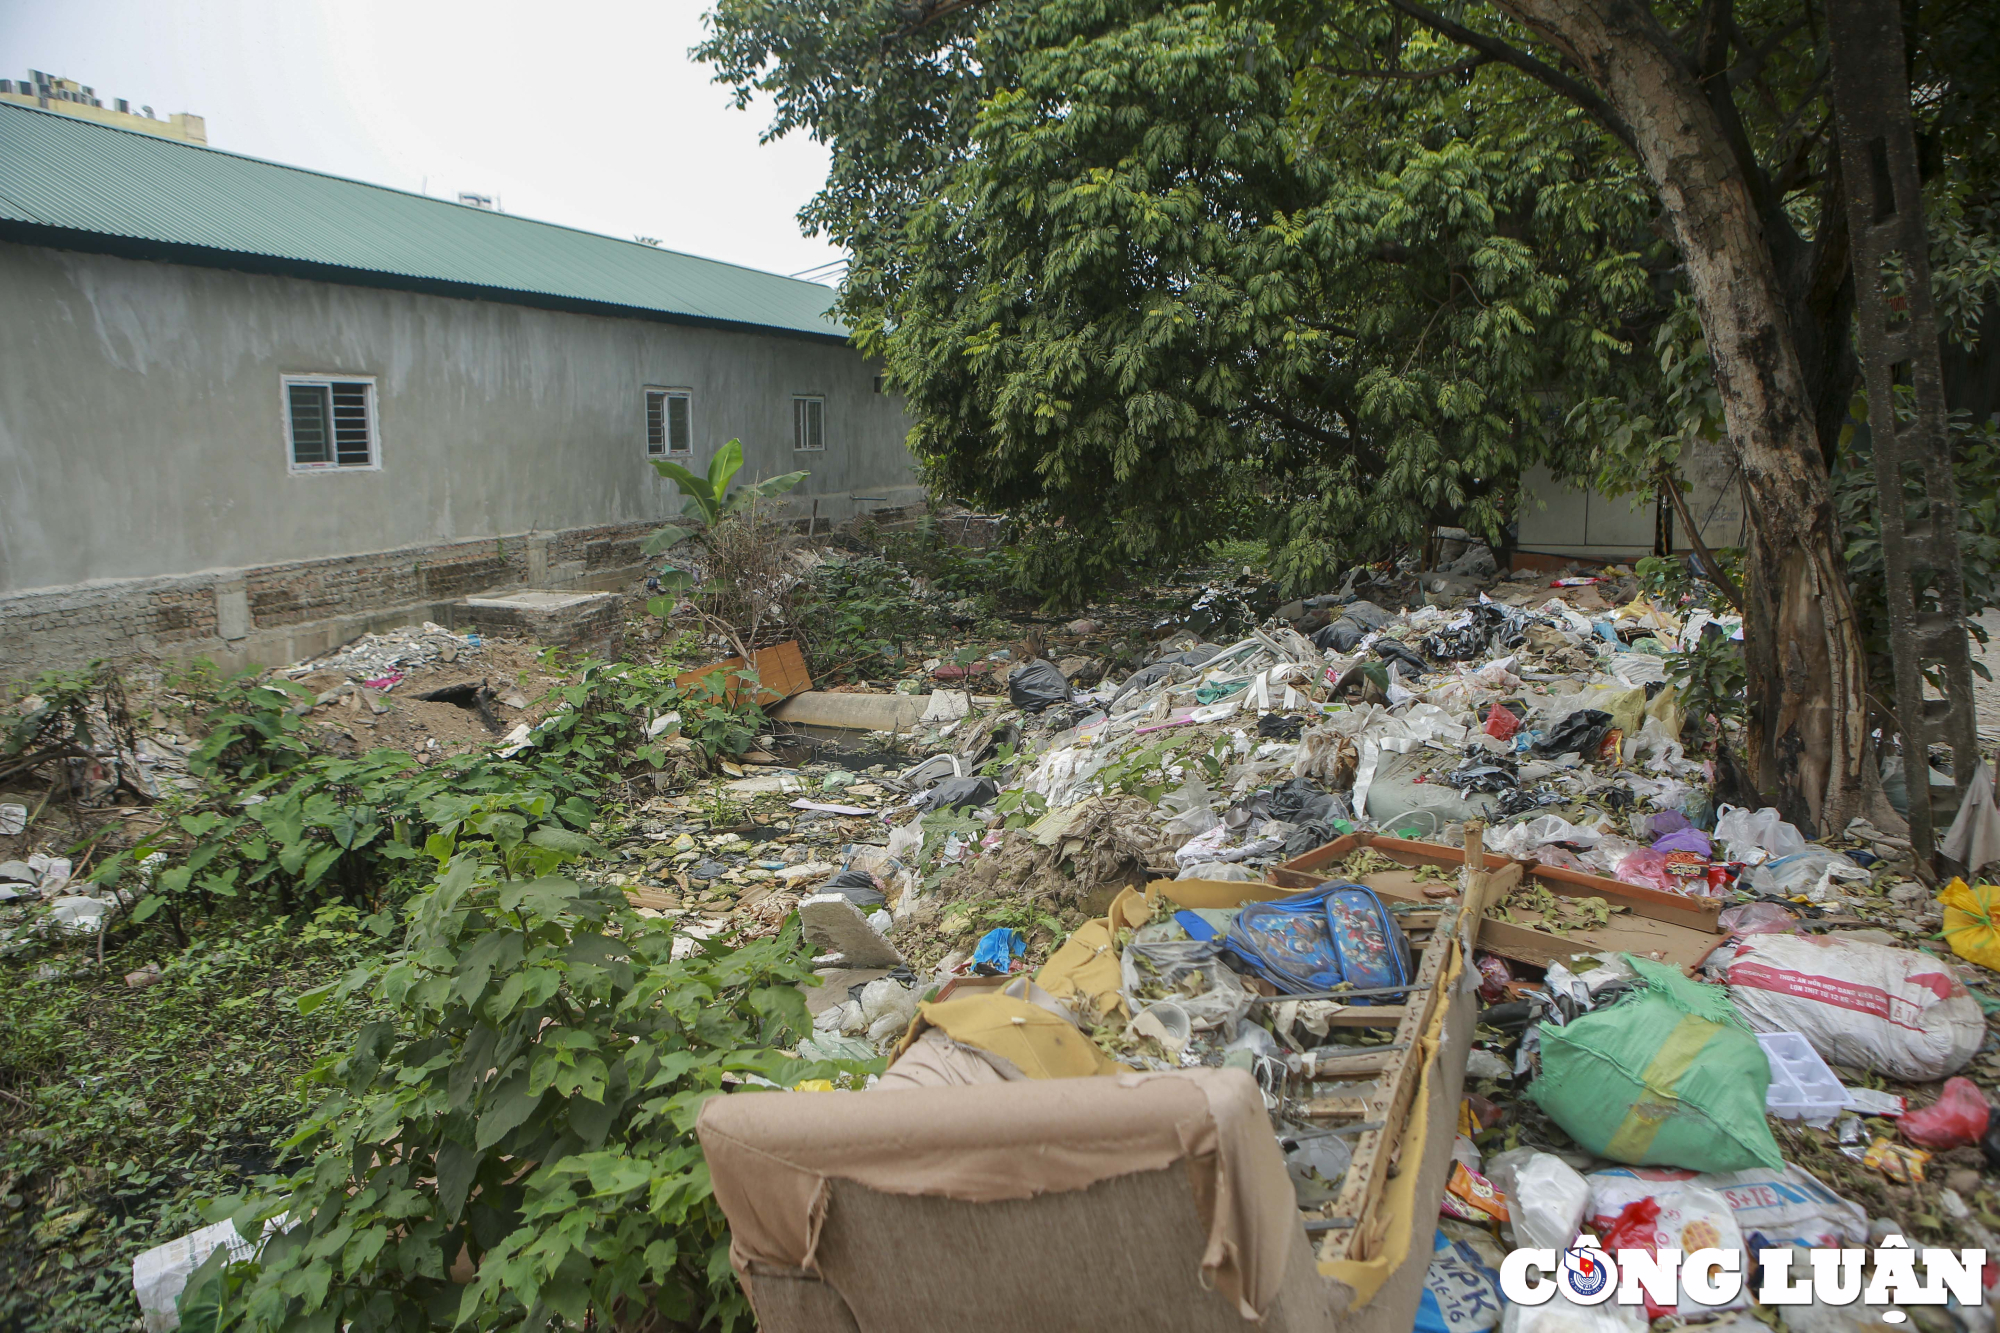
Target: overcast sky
<point>588,114</point>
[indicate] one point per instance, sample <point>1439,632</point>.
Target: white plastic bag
<point>1547,1202</point>
<point>1761,836</point>
<point>1894,1011</point>
<point>1521,840</point>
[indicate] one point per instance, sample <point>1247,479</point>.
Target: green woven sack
<point>1666,1076</point>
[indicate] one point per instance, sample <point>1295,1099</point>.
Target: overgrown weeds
<point>124,1109</point>
<point>282,871</point>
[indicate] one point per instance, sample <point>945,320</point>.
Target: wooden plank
<point>1337,1108</point>
<point>1367,1016</point>
<point>1374,1150</point>
<point>1310,868</point>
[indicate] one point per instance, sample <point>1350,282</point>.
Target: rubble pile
<point>381,660</point>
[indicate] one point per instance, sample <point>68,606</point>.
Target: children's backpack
<point>1314,941</point>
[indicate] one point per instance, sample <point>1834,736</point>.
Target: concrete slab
<point>838,926</point>
<point>581,622</point>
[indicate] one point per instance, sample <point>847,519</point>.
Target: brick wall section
<point>600,548</point>
<point>176,617</point>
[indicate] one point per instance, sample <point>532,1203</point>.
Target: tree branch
<point>1550,77</point>
<point>1291,421</point>
<point>1410,75</point>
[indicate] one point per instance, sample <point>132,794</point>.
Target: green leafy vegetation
<point>129,1108</point>
<point>525,1108</point>
<point>289,873</point>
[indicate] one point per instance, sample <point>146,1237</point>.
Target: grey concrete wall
<point>141,432</point>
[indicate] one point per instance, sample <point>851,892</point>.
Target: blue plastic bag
<point>998,948</point>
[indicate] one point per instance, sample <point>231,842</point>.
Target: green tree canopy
<point>1128,288</point>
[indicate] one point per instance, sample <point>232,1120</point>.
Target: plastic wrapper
<point>1903,1165</point>
<point>1676,1216</point>
<point>1757,919</point>
<point>1547,1202</point>
<point>1522,841</point>
<point>1648,868</point>
<point>1772,1205</point>
<point>1471,1197</point>
<point>1957,1119</point>
<point>1212,996</point>
<point>1493,978</point>
<point>1501,724</point>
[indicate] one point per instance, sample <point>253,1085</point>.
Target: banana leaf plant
<point>709,500</point>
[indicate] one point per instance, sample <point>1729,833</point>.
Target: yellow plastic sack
<point>1968,921</point>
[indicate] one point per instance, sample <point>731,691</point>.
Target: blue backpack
<point>1316,940</point>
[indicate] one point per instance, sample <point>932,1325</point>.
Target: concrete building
<point>249,411</point>
<point>1562,522</point>
<point>67,97</point>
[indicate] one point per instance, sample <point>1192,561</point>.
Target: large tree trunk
<point>1808,713</point>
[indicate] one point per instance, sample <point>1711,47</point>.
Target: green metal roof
<point>77,184</point>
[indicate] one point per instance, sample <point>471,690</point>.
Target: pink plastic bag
<point>1955,1120</point>
<point>1649,868</point>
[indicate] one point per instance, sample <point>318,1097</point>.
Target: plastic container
<point>1802,1087</point>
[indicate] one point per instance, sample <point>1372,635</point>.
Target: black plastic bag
<point>960,793</point>
<point>1280,726</point>
<point>1391,651</point>
<point>1300,802</point>
<point>1037,685</point>
<point>1484,773</point>
<point>1340,636</point>
<point>857,886</point>
<point>1581,732</point>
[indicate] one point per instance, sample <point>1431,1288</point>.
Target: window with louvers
<point>330,422</point>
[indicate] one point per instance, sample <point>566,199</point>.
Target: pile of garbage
<point>1546,713</point>
<point>382,660</point>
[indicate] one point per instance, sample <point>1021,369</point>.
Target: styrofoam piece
<point>1802,1087</point>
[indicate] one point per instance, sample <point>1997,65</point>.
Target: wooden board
<point>1309,868</point>
<point>781,673</point>
<point>1669,932</point>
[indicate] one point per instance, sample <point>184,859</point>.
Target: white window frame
<point>798,446</point>
<point>666,449</point>
<point>326,380</point>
